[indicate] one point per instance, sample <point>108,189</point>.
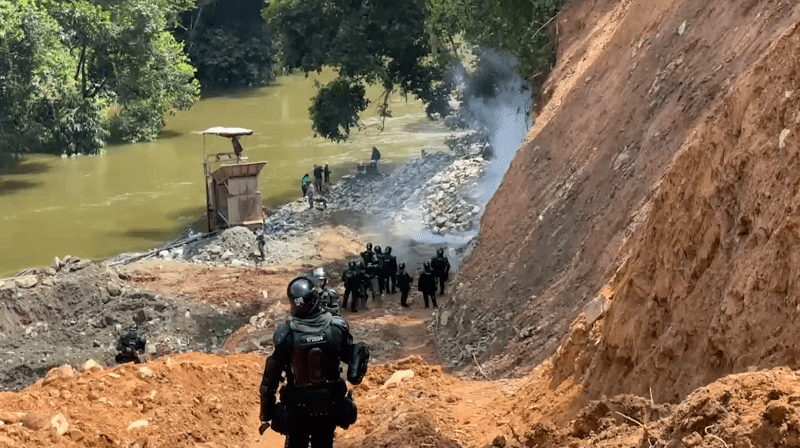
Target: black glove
<point>267,405</point>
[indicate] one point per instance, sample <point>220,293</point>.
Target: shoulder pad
<point>281,333</point>
<point>340,322</point>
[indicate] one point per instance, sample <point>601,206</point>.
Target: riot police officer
<point>404,282</point>
<point>368,256</point>
<point>390,266</point>
<point>329,298</point>
<point>369,261</point>
<point>379,270</point>
<point>308,350</point>
<point>348,273</point>
<point>441,268</point>
<point>427,284</point>
<point>130,345</point>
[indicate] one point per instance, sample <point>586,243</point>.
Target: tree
<point>228,42</point>
<point>127,57</point>
<point>512,26</point>
<point>64,65</point>
<point>382,42</point>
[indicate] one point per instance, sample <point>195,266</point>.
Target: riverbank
<point>215,294</point>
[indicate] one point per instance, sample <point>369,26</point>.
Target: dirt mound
<point>708,287</point>
<point>70,317</point>
<point>633,85</point>
<point>206,400</point>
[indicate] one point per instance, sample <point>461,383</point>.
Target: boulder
<point>138,424</point>
<point>49,270</point>
<point>398,377</point>
<point>79,264</point>
<point>60,423</point>
<point>91,366</point>
<point>75,434</point>
<point>114,290</point>
<point>36,421</point>
<point>56,264</point>
<point>26,281</point>
<point>57,373</point>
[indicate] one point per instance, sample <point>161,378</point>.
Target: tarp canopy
<point>227,132</point>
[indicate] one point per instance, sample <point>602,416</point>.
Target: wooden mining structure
<point>232,196</point>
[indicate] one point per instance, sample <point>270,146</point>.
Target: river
<point>135,197</point>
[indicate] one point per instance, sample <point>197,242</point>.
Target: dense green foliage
<point>518,28</point>
<point>228,41</point>
<point>402,45</point>
<point>382,42</point>
<point>66,66</point>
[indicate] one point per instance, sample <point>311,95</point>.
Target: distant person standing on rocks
<point>404,282</point>
<point>304,184</point>
<point>376,156</point>
<point>327,173</point>
<point>441,268</point>
<point>427,284</point>
<point>318,178</point>
<point>310,190</point>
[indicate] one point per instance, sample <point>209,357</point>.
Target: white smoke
<point>495,101</point>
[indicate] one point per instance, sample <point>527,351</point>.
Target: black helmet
<point>303,296</point>
<point>440,252</point>
<point>388,250</point>
<point>352,264</point>
<point>377,249</point>
<point>401,265</point>
<point>369,246</point>
<point>427,265</point>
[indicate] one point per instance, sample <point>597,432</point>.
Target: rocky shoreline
<point>433,193</point>
<point>74,309</point>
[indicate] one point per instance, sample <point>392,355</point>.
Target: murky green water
<point>134,197</point>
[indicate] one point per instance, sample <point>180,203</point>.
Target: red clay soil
<point>658,142</point>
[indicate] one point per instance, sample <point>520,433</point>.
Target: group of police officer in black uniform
<point>379,272</point>
<point>304,369</point>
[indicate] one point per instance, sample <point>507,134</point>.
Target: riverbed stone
<point>114,290</point>
<point>26,281</point>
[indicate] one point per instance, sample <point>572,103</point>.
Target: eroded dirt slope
<point>634,83</point>
<point>710,286</point>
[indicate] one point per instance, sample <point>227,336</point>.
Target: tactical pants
<point>392,281</point>
<point>403,297</point>
<point>382,283</point>
<point>442,279</point>
<point>319,434</point>
<point>347,292</point>
<point>432,295</point>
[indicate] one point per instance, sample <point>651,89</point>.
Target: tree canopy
<point>402,45</point>
<point>66,66</point>
<point>228,42</point>
<point>382,42</point>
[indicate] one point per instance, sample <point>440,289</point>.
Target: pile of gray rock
<point>79,315</point>
<point>233,246</point>
<point>449,205</point>
<point>433,189</point>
